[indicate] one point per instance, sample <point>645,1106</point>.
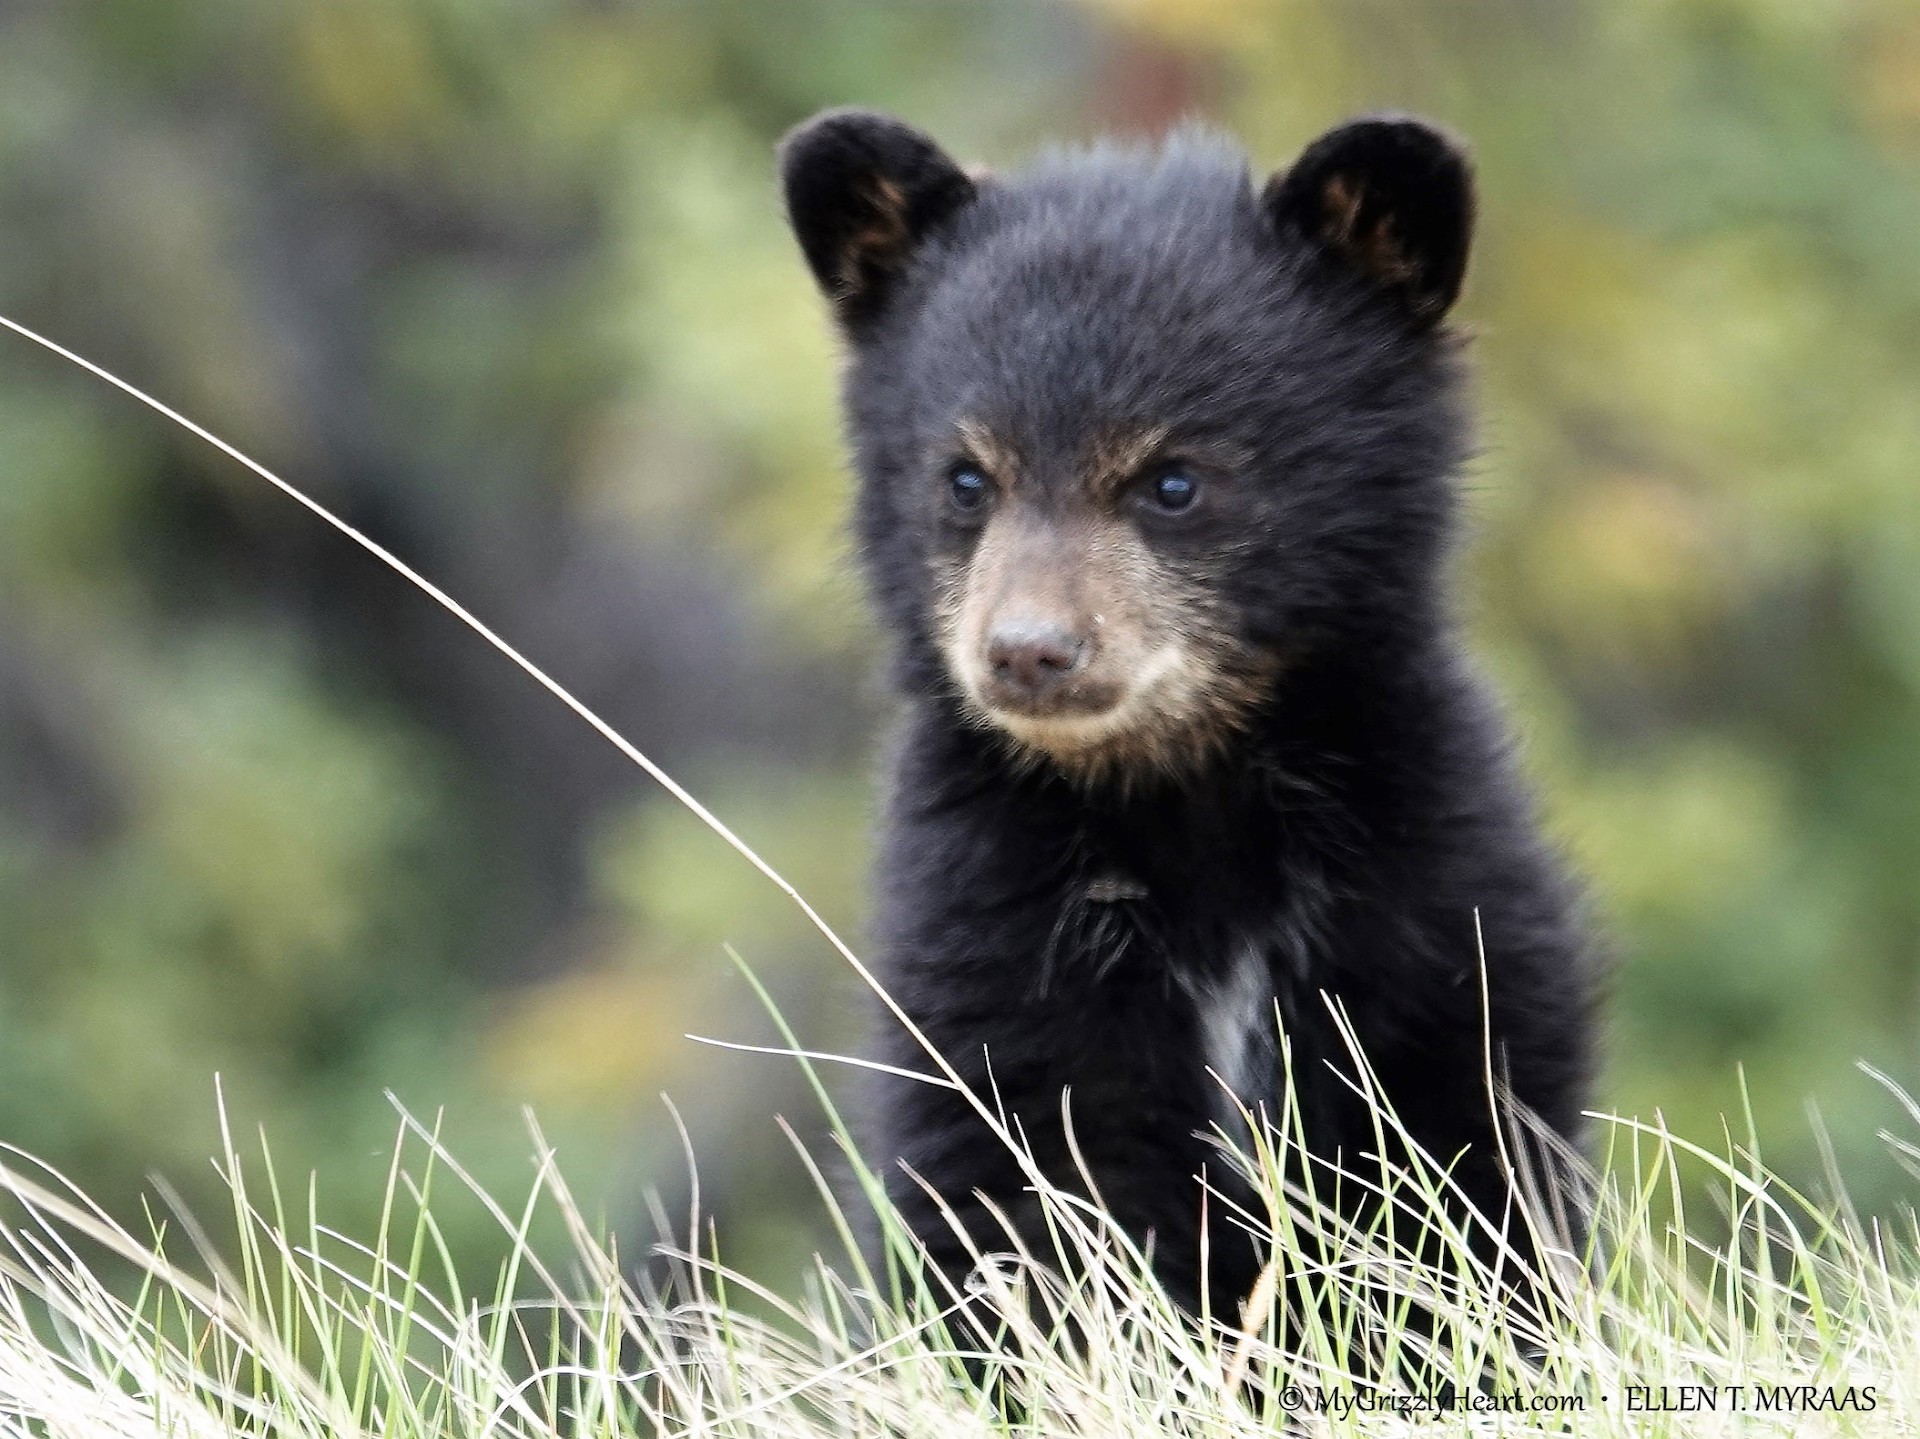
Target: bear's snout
<point>1031,660</point>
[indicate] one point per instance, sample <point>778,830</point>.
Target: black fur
<point>1058,930</point>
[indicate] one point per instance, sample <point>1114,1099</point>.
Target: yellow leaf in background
<point>1887,84</point>
<point>368,69</point>
<point>1630,564</point>
<point>595,1037</point>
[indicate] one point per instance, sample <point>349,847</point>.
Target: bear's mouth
<point>1080,700</point>
<point>1089,710</point>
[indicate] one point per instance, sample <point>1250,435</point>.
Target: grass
<point>1803,1320</point>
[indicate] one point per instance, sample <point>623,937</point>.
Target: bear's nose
<point>1030,659</point>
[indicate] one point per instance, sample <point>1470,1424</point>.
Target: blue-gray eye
<point>968,488</point>
<point>1174,491</point>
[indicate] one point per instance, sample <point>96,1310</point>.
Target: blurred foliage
<point>508,285</point>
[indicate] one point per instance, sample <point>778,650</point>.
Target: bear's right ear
<point>862,191</point>
<point>1390,198</point>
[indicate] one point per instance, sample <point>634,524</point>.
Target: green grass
<point>304,1331</point>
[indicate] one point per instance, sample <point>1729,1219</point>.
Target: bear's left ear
<point>1390,197</point>
<point>863,190</point>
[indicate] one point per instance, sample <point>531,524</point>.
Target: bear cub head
<point>1136,440</point>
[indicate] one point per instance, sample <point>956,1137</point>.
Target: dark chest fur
<point>1144,952</point>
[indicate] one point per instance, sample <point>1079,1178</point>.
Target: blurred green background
<point>506,283</point>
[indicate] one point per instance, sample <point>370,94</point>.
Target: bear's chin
<point>1171,719</point>
<point>1064,736</point>
<point>1124,746</point>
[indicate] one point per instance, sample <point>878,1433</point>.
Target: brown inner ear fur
<point>1375,250</point>
<point>881,243</point>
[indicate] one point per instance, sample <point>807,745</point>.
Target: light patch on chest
<point>1236,1025</point>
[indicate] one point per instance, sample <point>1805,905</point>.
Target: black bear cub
<point>1157,503</point>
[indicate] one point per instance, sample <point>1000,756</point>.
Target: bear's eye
<point>1173,491</point>
<point>968,489</point>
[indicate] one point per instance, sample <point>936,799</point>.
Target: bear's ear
<point>1390,197</point>
<point>862,191</point>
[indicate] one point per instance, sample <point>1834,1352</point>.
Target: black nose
<point>1033,658</point>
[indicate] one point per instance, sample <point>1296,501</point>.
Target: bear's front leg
<point>1104,1099</point>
